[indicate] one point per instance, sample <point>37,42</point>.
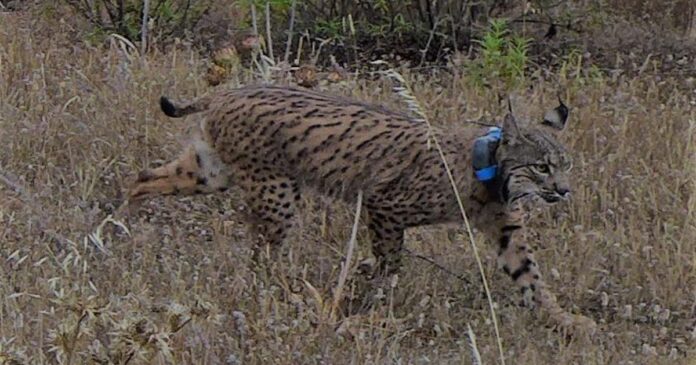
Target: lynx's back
<point>335,145</point>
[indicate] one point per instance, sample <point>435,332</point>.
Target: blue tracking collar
<point>485,166</point>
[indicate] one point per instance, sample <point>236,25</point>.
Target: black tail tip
<point>168,107</point>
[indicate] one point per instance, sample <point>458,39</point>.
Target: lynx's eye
<point>542,168</point>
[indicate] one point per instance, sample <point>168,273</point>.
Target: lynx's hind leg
<point>197,170</point>
<point>387,241</point>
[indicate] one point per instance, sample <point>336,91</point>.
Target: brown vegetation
<point>173,283</point>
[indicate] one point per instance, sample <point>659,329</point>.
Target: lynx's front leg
<point>517,260</point>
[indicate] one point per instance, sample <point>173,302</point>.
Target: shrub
<point>503,56</point>
<point>167,18</point>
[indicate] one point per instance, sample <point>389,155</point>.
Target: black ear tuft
<point>557,117</point>
<point>168,107</point>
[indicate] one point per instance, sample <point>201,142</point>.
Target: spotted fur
<point>275,142</point>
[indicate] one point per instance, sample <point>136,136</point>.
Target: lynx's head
<point>533,164</point>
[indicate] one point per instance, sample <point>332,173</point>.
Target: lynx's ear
<point>511,131</point>
<point>557,117</point>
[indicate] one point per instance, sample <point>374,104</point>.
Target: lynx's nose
<point>562,191</point>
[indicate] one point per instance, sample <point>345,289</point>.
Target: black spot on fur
<point>504,242</point>
<point>145,175</point>
<point>310,113</point>
<point>168,108</point>
<point>510,228</point>
<point>371,139</point>
<point>522,270</point>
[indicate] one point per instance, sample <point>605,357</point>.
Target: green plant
<point>331,28</point>
<point>515,59</point>
<point>398,25</point>
<point>503,56</point>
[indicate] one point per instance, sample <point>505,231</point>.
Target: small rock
<point>424,302</point>
<point>673,353</point>
<point>664,316</point>
<point>648,350</point>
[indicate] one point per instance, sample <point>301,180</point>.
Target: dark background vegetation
<point>411,30</point>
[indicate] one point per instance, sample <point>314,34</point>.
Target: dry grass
<point>177,285</point>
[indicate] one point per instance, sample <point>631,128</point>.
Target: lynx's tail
<point>178,111</point>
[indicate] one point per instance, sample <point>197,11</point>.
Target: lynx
<point>276,142</point>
